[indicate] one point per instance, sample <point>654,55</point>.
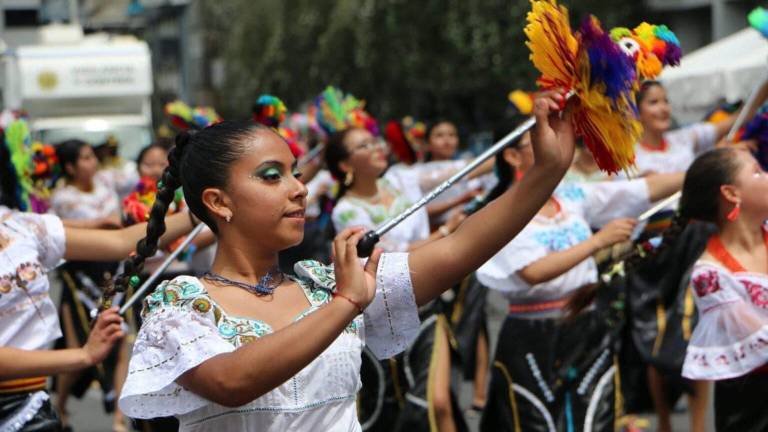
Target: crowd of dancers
<point>270,321</point>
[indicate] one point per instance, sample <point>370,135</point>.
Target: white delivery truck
<point>88,87</point>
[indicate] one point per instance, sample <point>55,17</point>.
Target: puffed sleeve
<point>602,202</point>
<point>501,272</point>
<point>699,136</point>
<point>172,340</point>
<point>731,337</point>
<point>51,238</point>
<point>392,318</point>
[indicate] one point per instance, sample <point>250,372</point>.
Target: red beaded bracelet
<point>354,303</point>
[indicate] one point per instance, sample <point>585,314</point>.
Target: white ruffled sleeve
<point>602,202</point>
<point>731,337</point>
<point>51,238</point>
<point>171,341</point>
<point>501,272</point>
<point>392,318</point>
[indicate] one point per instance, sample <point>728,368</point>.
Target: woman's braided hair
<point>199,160</point>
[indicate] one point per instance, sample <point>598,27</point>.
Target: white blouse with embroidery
<point>28,318</point>
<point>352,211</point>
<point>68,202</point>
<point>683,145</point>
<point>583,205</point>
<point>184,327</point>
<point>731,337</point>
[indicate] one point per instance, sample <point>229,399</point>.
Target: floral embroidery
<point>571,192</point>
<point>757,293</point>
<point>240,331</point>
<point>706,283</point>
<point>21,277</point>
<point>561,238</point>
<point>347,216</point>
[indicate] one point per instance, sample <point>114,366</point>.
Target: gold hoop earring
<point>348,179</point>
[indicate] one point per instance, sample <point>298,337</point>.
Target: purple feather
<point>757,129</point>
<point>608,63</point>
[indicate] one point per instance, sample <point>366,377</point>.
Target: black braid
<point>170,181</point>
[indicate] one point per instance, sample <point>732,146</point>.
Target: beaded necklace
<point>266,285</point>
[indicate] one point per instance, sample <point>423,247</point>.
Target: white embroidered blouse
<point>68,202</point>
<point>400,184</point>
<point>731,337</point>
<point>583,206</point>
<point>683,145</point>
<point>184,327</point>
<point>28,318</point>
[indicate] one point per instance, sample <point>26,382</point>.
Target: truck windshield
<point>130,139</point>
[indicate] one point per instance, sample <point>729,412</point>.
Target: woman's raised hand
<point>553,137</point>
<point>353,280</point>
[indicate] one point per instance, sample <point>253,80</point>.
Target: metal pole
<point>366,244</point>
<point>660,206</point>
<point>742,118</point>
<point>168,260</point>
<point>307,158</point>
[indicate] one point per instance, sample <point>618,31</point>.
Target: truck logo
<point>47,80</point>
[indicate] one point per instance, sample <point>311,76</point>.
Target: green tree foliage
<point>456,59</point>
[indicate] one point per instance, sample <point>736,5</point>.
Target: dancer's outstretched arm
<point>114,245</point>
<point>439,264</point>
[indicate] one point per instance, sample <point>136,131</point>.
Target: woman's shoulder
<point>181,292</point>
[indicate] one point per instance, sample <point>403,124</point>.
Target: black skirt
<point>552,375</point>
<point>740,403</point>
<point>418,361</point>
<point>466,313</point>
<point>28,412</point>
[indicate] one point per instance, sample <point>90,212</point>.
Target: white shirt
<point>184,327</point>
<point>28,318</point>
<point>69,202</point>
<point>731,336</point>
<point>683,145</point>
<point>401,184</point>
<point>583,205</point>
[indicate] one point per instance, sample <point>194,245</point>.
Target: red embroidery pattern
<point>757,293</point>
<point>706,283</point>
<point>733,356</point>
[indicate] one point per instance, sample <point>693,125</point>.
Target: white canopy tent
<point>726,70</point>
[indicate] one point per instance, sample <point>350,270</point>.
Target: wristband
<point>354,303</point>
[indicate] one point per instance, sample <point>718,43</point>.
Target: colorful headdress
<point>651,47</point>
<point>414,130</point>
<point>337,111</point>
<point>597,70</point>
<point>185,117</point>
<point>270,111</point>
<point>34,165</point>
<point>758,19</point>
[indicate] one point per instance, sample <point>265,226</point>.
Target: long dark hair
<point>335,153</point>
<point>699,202</point>
<point>646,86</point>
<point>199,160</point>
<point>68,152</point>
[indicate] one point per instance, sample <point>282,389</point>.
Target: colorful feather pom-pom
<point>185,117</point>
<point>336,111</point>
<point>650,46</point>
<point>269,110</point>
<point>601,75</point>
<point>758,19</point>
